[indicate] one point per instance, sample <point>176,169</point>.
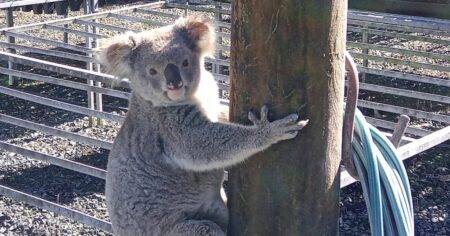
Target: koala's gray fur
<point>165,170</point>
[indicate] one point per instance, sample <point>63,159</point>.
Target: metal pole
<point>99,96</point>
<point>10,23</point>
<point>89,65</point>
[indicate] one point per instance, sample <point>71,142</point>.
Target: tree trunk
<point>289,54</point>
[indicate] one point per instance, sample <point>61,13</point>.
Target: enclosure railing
<point>387,47</point>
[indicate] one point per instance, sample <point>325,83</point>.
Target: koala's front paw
<point>282,129</point>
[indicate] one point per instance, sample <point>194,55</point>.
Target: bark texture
<point>289,54</point>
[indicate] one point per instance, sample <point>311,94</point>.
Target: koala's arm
<point>203,145</point>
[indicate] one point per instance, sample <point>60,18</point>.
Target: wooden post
<point>289,54</point>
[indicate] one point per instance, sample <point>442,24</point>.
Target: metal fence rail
<point>364,26</point>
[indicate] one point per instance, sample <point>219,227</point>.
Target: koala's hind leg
<point>197,228</point>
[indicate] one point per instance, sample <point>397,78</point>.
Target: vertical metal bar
<point>365,39</point>
<point>98,96</point>
<point>66,34</point>
<point>89,65</point>
<point>215,66</point>
<point>10,23</point>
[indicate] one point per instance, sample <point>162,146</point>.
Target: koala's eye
<point>185,63</point>
<point>153,71</point>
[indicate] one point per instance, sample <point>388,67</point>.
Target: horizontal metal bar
<point>197,8</point>
<point>399,50</point>
<point>413,64</point>
<point>47,41</point>
<point>224,78</point>
<point>64,69</point>
<point>405,29</point>
<point>158,13</point>
<point>82,17</point>
<point>404,111</point>
<point>396,19</point>
<point>103,26</point>
<point>73,31</point>
<point>56,208</point>
<point>223,47</point>
<point>404,93</point>
<point>391,125</point>
<point>19,3</point>
<point>218,61</point>
<point>224,35</point>
<point>55,132</point>
<point>67,164</point>
<point>136,19</point>
<point>54,53</point>
<point>398,35</point>
<point>66,83</point>
<point>61,105</point>
<point>406,76</point>
<point>424,143</point>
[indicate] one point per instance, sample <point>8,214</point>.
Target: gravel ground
<point>429,172</point>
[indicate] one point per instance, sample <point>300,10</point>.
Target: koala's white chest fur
<point>208,97</point>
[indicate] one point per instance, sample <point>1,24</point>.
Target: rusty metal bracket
<point>399,130</point>
<point>349,116</point>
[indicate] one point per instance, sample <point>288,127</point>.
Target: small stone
<point>441,218</point>
<point>434,219</point>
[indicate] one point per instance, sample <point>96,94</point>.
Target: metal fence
<point>374,39</point>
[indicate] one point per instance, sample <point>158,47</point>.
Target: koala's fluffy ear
<point>198,33</point>
<point>114,53</point>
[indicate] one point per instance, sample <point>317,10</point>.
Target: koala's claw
<point>282,129</point>
<point>259,122</point>
<point>287,128</point>
<point>264,112</point>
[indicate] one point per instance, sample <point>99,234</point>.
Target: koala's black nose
<point>173,77</point>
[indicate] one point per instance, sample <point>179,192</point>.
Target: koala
<point>166,167</point>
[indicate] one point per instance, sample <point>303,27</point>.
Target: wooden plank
<point>67,164</point>
<point>56,132</point>
<point>56,208</point>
